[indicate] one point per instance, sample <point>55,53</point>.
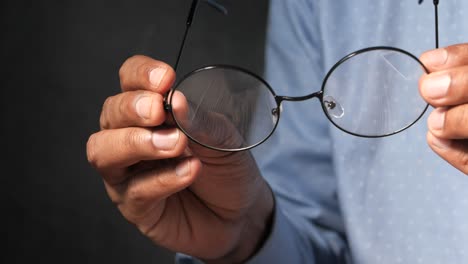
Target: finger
<point>445,58</point>
<point>111,150</point>
<point>207,126</point>
<point>449,123</point>
<point>454,152</point>
<point>145,190</point>
<point>179,108</point>
<point>445,88</point>
<point>186,120</point>
<point>144,73</point>
<point>134,108</point>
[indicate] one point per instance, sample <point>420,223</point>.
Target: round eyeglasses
<point>228,108</point>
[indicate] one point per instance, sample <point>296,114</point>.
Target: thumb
<point>208,127</point>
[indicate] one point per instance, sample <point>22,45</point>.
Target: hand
<point>208,204</point>
<point>446,88</point>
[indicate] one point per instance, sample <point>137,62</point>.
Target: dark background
<point>60,61</point>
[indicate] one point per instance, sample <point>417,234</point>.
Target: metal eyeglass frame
<point>280,99</point>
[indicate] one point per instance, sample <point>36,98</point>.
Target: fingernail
<point>156,75</point>
<point>435,86</point>
<point>165,139</point>
<point>183,169</point>
<point>440,143</point>
<point>437,119</point>
<point>143,106</point>
<point>437,57</point>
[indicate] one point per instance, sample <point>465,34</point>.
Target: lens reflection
<point>378,92</point>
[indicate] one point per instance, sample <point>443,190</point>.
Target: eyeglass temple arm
<point>190,16</point>
<point>436,10</point>
<point>436,4</point>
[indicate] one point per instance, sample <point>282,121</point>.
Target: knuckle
<point>134,139</point>
<point>93,150</point>
<point>124,106</point>
<point>136,194</point>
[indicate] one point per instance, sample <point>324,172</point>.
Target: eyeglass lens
<point>374,93</point>
<point>227,108</point>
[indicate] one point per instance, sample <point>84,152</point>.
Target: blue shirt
<point>346,199</point>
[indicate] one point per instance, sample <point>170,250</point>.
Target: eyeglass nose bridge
<point>279,100</point>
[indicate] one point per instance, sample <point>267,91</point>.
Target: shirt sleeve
<point>284,244</point>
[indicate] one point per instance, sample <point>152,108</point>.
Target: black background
<point>60,61</point>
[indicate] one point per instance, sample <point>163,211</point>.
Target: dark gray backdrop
<point>60,60</point>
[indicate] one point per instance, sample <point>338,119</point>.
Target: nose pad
<point>275,112</point>
<point>333,107</point>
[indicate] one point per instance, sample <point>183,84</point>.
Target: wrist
<point>254,229</point>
